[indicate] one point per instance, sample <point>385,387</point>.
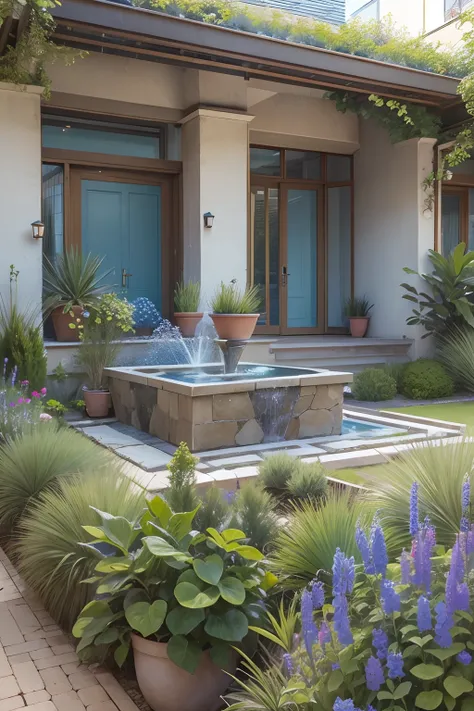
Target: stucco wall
<point>20,192</point>
<point>391,231</point>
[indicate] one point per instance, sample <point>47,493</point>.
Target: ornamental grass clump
<point>386,636</point>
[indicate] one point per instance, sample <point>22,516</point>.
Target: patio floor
<point>39,668</point>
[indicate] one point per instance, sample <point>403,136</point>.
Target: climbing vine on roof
<point>29,25</point>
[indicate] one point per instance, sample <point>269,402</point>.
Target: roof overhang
<point>98,25</point>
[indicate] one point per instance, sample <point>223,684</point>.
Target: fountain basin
<point>208,409</point>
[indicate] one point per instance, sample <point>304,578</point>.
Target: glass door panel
<point>300,261</point>
<point>265,238</point>
<point>339,257</point>
<point>453,219</point>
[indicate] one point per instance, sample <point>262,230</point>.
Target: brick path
<point>38,665</point>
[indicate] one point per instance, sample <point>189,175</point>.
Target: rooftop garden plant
<point>381,636</point>
<point>166,582</point>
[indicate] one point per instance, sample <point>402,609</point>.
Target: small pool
<point>351,426</point>
<point>215,374</point>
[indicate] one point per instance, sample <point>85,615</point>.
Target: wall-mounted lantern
<point>208,219</point>
<point>37,229</point>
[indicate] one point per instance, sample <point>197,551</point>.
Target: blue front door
<point>122,223</point>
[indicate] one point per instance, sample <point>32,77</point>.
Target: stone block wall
<point>229,419</point>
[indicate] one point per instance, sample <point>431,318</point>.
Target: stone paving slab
<point>39,668</point>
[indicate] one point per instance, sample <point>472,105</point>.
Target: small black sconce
<point>38,229</point>
<point>208,219</point>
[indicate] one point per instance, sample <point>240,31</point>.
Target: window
<point>53,208</point>
<point>265,161</point>
<point>101,137</point>
<point>304,165</point>
<point>339,207</point>
<point>338,169</point>
<point>368,11</point>
<point>453,8</point>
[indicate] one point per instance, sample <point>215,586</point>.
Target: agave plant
<point>51,556</point>
<point>73,280</point>
<point>357,307</point>
<point>451,302</point>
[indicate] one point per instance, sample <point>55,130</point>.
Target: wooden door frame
<point>166,174</point>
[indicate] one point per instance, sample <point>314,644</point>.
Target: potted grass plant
<point>184,600</point>
<point>72,285</point>
<point>235,311</point>
<point>186,303</point>
<point>357,309</point>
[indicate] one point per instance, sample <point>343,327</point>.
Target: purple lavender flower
<point>457,595</point>
<point>390,598</point>
<point>464,657</point>
<point>423,617</point>
<point>380,643</point>
<point>470,541</point>
<point>308,628</point>
<point>335,666</point>
<point>395,666</point>
<point>343,573</point>
<point>14,374</point>
<point>364,549</point>
<point>341,620</point>
<point>374,674</point>
<point>288,665</point>
<point>464,524</point>
<point>424,542</point>
<point>317,594</point>
<point>379,549</point>
<point>444,622</point>
<point>466,493</point>
<point>346,705</point>
<point>414,516</point>
<point>324,635</point>
<point>405,565</point>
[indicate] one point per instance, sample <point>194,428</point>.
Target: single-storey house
<point>166,119</point>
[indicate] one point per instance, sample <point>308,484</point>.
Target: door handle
<point>284,276</point>
<point>125,276</point>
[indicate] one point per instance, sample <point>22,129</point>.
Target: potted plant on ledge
<point>71,285</point>
<point>235,312</point>
<point>182,603</point>
<point>186,303</point>
<point>356,309</point>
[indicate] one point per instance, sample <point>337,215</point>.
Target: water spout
<point>232,352</point>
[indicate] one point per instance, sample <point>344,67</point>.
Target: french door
<point>287,257</point>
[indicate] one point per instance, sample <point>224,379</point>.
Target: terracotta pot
<point>143,331</point>
<point>359,326</point>
<point>187,322</point>
<point>167,687</point>
<point>61,323</point>
<point>235,327</point>
<point>97,402</point>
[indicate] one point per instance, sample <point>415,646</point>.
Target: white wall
<point>215,179</point>
<point>390,229</point>
<point>20,192</point>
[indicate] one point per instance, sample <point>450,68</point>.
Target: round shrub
<point>275,471</point>
<point>51,558</point>
<point>425,380</point>
<point>374,384</point>
<point>254,513</point>
<point>308,481</point>
<point>36,459</point>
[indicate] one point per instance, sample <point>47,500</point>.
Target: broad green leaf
<point>402,690</point>
<point>221,655</point>
<point>180,524</point>
<point>162,549</point>
<point>98,625</point>
<point>189,576</point>
<point>335,680</point>
<point>429,700</point>
<point>427,672</point>
<point>134,595</point>
<point>384,696</point>
<point>183,620</point>
<point>443,654</point>
<point>269,581</point>
<point>96,608</point>
<point>95,532</point>
<point>113,582</point>
<point>421,641</point>
<point>217,537</point>
<point>232,590</point>
<point>350,666</point>
<point>113,564</point>
<point>210,569</point>
<point>247,552</point>
<point>449,702</point>
<point>118,530</point>
<point>145,618</point>
<point>160,509</point>
<point>232,534</point>
<point>121,653</point>
<point>188,595</point>
<point>109,635</point>
<point>184,653</point>
<point>232,626</point>
<point>412,651</point>
<point>457,685</point>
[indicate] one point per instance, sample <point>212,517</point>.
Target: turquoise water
<point>244,372</point>
<point>366,429</point>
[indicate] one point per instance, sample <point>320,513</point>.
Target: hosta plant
<point>386,636</point>
<point>163,580</point>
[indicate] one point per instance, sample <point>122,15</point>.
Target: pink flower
<point>11,404</point>
<point>35,393</point>
<point>43,391</point>
<point>20,401</point>
<point>45,417</point>
<point>27,400</point>
<point>25,382</point>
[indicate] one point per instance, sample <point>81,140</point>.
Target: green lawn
<point>350,475</point>
<point>452,411</point>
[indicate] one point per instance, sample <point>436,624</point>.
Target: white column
<point>215,179</point>
<point>20,191</point>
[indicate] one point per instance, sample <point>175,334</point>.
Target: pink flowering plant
<point>393,636</point>
<point>20,407</point>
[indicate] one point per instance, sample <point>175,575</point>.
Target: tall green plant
<point>181,493</point>
<point>73,279</point>
<point>36,460</point>
<point>439,470</point>
<point>187,297</point>
<point>306,544</point>
<point>53,555</point>
<point>229,299</point>
<point>457,355</point>
<point>451,302</point>
<point>254,513</point>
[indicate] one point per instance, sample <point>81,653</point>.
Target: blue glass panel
<point>302,267</point>
<point>78,138</point>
